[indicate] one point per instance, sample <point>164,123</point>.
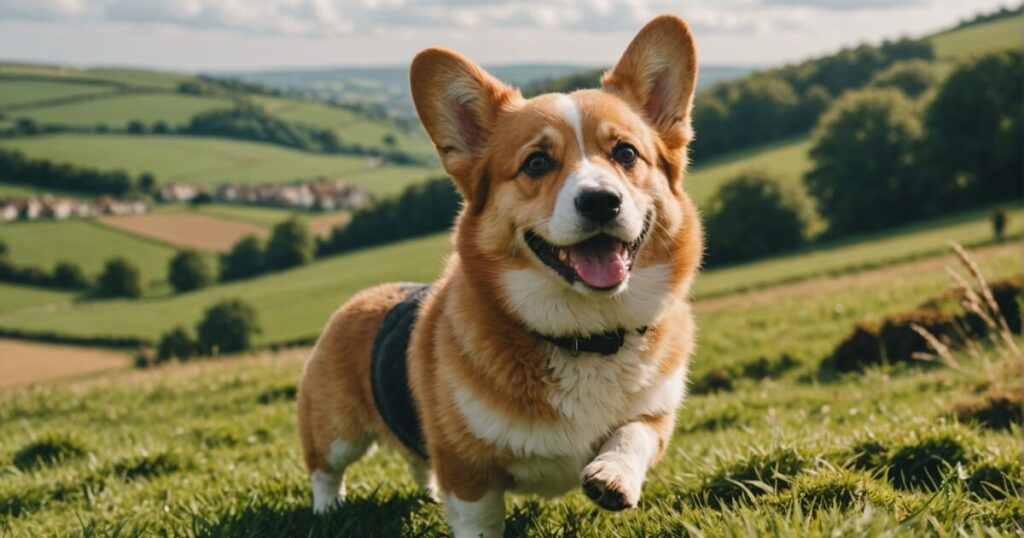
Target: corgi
<point>552,353</point>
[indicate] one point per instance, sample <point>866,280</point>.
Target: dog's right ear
<point>457,101</point>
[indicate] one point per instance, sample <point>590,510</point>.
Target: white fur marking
<point>484,517</point>
<point>624,459</point>
<point>571,112</point>
<point>326,491</point>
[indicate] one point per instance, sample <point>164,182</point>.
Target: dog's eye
<point>625,154</point>
<point>538,164</point>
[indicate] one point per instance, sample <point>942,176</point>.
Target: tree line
<point>15,167</point>
<point>881,158</point>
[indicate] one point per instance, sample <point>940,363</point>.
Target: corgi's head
<point>575,213</point>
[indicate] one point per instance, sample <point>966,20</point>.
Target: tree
<point>974,129</point>
<point>120,278</point>
<point>147,182</point>
<point>753,215</point>
<point>862,157</point>
<point>188,271</point>
<point>290,245</point>
<point>161,127</point>
<point>69,275</point>
<point>227,327</point>
<point>243,261</point>
<point>389,140</point>
<point>912,77</point>
<point>3,249</point>
<point>999,219</point>
<point>136,127</point>
<point>176,344</point>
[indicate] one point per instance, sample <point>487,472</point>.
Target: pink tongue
<point>601,267</point>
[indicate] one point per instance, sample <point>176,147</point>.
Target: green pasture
<point>85,242</point>
<point>212,449</point>
<point>13,297</point>
<point>295,304</point>
<point>957,44</point>
<point>787,158</point>
<point>210,161</point>
<point>15,92</point>
<point>138,78</point>
<point>116,111</point>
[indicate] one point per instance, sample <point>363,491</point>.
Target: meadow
<point>210,161</point>
<point>210,448</point>
<point>951,46</point>
<point>118,110</point>
<point>18,93</point>
<point>295,304</point>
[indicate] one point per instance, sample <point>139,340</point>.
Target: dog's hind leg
<point>425,479</point>
<point>328,479</point>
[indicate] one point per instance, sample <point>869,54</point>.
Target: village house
<point>61,208</point>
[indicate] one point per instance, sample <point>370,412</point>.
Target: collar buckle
<point>575,349</point>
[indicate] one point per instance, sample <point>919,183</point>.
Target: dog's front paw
<point>612,485</point>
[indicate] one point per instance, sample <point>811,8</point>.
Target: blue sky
<point>253,34</point>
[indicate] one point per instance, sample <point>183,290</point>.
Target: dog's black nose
<point>598,205</point>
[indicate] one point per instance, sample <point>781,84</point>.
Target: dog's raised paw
<point>610,486</point>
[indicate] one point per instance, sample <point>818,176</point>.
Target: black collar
<point>606,343</point>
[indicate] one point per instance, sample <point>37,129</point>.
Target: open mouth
<point>601,262</point>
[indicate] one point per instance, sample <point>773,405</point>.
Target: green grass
<point>209,161</point>
<point>25,92</point>
<point>787,158</point>
<point>138,78</point>
<point>13,297</point>
<point>951,46</point>
<point>349,126</point>
<point>294,304</point>
<point>14,190</point>
<point>116,111</point>
<point>85,242</point>
<point>213,450</point>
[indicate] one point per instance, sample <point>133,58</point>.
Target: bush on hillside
<point>120,278</point>
<point>861,348</point>
<point>754,215</point>
<point>290,245</point>
<point>244,260</point>
<point>69,275</point>
<point>15,167</point>
<point>176,343</point>
<point>188,271</point>
<point>1000,217</point>
<point>913,77</point>
<point>975,131</point>
<point>901,342</point>
<point>227,327</point>
<point>863,174</point>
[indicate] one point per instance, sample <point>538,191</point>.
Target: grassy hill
<point>211,448</point>
<point>295,304</point>
<point>961,42</point>
<point>117,110</point>
<point>209,161</point>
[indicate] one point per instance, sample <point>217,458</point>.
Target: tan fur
<point>468,334</point>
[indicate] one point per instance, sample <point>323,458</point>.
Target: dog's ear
<point>657,74</point>
<point>457,101</point>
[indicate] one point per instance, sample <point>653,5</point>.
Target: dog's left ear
<point>658,75</point>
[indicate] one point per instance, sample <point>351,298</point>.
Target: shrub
<point>144,358</point>
<point>227,327</point>
<point>243,261</point>
<point>862,154</point>
<point>3,249</point>
<point>758,474</point>
<point>863,347</point>
<point>754,215</point>
<point>69,275</point>
<point>996,479</point>
<point>277,394</point>
<point>1007,294</point>
<point>148,466</point>
<point>996,409</point>
<point>136,127</point>
<point>120,278</point>
<point>188,271</point>
<point>48,450</point>
<point>290,245</point>
<point>717,380</point>
<point>176,344</point>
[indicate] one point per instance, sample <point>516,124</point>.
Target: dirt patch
<point>322,226</point>
<point>191,230</point>
<point>23,363</point>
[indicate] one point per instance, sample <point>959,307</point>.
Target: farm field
<point>951,46</point>
<point>296,303</point>
<point>116,111</point>
<point>210,161</point>
<point>84,242</point>
<point>13,297</point>
<point>787,159</point>
<point>140,451</point>
<point>16,93</point>
<point>187,230</point>
<point>23,362</point>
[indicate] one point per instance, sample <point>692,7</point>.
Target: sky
<point>216,35</point>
